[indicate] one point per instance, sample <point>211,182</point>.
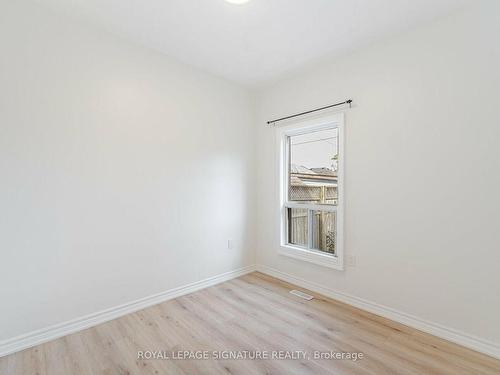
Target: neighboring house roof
<point>302,176</point>
<point>294,168</point>
<point>324,171</point>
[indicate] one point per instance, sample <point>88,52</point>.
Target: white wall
<point>422,164</point>
<point>123,173</point>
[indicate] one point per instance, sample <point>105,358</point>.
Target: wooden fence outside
<point>324,224</point>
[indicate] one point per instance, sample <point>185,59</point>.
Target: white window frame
<point>305,253</point>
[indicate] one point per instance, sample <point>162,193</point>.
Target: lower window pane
<point>324,231</point>
<point>297,226</point>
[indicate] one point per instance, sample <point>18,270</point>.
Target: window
<point>311,169</point>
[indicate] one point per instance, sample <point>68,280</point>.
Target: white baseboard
<point>50,333</point>
<point>450,334</point>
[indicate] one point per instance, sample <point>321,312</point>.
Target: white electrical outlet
<point>230,244</point>
<point>351,260</point>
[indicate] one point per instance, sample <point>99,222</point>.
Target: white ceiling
<point>260,41</point>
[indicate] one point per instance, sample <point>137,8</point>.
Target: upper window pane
<point>313,167</point>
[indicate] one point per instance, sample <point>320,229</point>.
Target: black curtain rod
<point>349,101</point>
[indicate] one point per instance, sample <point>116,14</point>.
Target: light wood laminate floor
<point>255,313</point>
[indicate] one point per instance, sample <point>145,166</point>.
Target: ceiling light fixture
<point>239,2</point>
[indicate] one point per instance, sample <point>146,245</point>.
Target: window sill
<point>324,260</point>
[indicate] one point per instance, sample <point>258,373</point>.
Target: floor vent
<point>300,294</point>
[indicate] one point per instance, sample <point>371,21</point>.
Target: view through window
<point>313,190</point>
